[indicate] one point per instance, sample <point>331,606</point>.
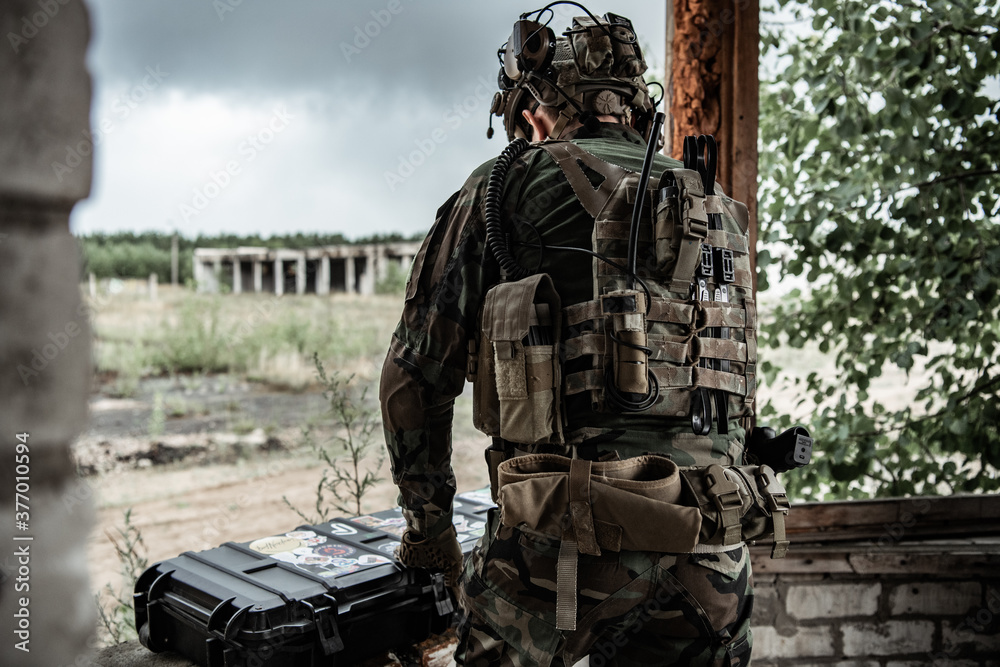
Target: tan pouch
<point>632,504</point>
<point>738,503</point>
<point>521,325</point>
<point>485,402</point>
<point>587,506</point>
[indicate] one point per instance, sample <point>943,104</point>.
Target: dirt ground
<point>208,478</point>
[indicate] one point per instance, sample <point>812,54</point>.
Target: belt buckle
<point>777,499</point>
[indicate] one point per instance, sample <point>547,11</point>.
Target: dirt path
<point>186,506</point>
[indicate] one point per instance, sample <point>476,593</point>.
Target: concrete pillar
<point>381,263</point>
<point>237,276</point>
<point>258,276</point>
<point>300,274</point>
<point>45,353</point>
<point>153,284</point>
<point>323,281</point>
<point>279,277</point>
<point>349,275</point>
<point>368,277</point>
<point>92,284</point>
<point>216,274</point>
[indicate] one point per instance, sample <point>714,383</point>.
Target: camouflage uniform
<point>634,607</point>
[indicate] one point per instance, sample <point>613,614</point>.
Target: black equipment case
<point>329,594</point>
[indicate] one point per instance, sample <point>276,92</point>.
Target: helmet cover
<point>596,69</point>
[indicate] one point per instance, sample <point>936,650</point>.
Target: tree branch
<point>951,177</point>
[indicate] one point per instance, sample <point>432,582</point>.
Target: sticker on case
<point>276,544</point>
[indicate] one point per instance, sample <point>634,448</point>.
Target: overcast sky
<point>260,116</point>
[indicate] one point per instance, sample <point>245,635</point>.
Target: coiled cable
<point>497,241</point>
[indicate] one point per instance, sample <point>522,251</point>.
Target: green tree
<point>880,149</point>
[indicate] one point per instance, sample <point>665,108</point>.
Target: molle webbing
<point>681,352</point>
<point>672,237</point>
<point>718,238</point>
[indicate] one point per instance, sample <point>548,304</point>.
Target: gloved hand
<point>440,554</point>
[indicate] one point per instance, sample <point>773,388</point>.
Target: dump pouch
<point>589,506</point>
<point>738,503</point>
<point>519,375</point>
<point>633,504</point>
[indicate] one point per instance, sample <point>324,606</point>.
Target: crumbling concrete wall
<point>46,607</point>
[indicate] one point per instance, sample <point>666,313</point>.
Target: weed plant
<point>349,471</point>
<point>114,607</point>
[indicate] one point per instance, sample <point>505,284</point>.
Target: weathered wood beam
<point>712,87</point>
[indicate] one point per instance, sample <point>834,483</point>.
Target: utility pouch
<point>738,503</point>
<point>625,311</point>
<point>521,324</point>
<point>692,229</point>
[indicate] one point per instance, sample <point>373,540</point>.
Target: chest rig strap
<point>572,160</point>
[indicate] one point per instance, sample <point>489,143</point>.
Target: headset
<point>526,68</point>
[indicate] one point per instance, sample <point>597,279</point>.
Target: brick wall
<point>883,584</point>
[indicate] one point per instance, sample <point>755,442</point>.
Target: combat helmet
<point>594,68</point>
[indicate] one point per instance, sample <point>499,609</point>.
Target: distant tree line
<point>136,255</point>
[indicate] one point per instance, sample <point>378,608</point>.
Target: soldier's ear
<point>539,129</point>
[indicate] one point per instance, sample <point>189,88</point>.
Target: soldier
<point>592,361</point>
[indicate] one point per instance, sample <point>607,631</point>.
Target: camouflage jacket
<point>425,369</point>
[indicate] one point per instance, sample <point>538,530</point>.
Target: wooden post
<point>712,84</point>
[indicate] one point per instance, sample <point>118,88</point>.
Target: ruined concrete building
<point>334,268</point>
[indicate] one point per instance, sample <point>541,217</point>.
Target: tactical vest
<point>689,324</point>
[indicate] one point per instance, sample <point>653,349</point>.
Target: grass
<point>259,336</point>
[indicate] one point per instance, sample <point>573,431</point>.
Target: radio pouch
<point>521,325</point>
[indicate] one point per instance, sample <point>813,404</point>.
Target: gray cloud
<point>361,107</point>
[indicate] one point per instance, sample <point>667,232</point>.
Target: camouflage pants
<point>634,607</point>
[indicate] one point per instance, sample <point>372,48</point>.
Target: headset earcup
<point>534,45</point>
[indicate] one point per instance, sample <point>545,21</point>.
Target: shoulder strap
<point>572,159</point>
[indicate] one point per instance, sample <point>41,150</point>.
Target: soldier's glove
<point>440,554</point>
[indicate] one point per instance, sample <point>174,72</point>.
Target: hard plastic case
<point>328,594</point>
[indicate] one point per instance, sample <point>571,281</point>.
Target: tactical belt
<point>644,503</point>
